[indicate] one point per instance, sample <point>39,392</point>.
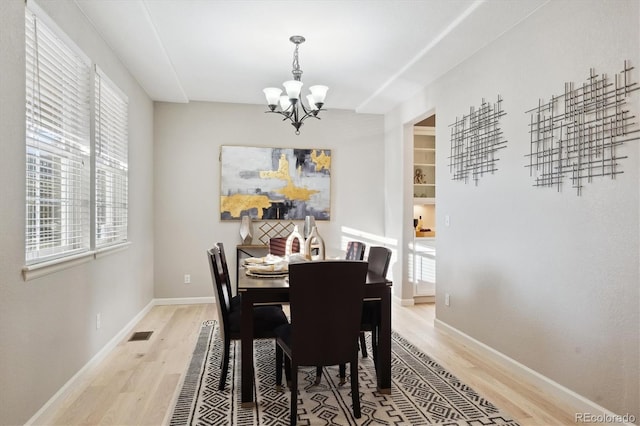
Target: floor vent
<point>140,335</point>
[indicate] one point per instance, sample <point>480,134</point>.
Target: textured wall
<point>547,278</point>
<point>47,325</point>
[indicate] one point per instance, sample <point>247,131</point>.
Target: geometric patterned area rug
<point>422,392</point>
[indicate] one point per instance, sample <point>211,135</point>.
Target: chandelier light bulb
<point>319,93</point>
<point>293,88</point>
<point>312,102</point>
<point>285,103</point>
<point>273,95</point>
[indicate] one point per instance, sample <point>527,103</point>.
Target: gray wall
<point>548,278</point>
<point>48,325</point>
<point>187,186</point>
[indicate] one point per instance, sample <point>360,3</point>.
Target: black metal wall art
<point>475,140</point>
<point>576,134</point>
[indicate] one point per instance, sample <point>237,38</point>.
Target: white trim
<point>37,270</point>
<point>405,302</point>
<point>546,385</point>
<point>183,300</point>
<point>105,251</point>
<point>54,402</point>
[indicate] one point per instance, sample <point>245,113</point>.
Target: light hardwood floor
<point>138,382</point>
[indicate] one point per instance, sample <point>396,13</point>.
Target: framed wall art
<point>274,183</point>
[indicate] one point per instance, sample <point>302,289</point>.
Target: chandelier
<point>291,106</point>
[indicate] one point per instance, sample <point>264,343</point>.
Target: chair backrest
<point>379,258</point>
<point>225,269</point>
<point>355,250</point>
<point>325,328</point>
<point>222,288</point>
<point>278,245</point>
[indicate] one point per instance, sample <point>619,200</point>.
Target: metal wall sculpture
<point>475,139</point>
<point>576,133</point>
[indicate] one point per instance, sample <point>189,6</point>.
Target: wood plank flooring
<point>137,383</point>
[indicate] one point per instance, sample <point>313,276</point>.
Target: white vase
<point>309,223</point>
<point>245,230</point>
<point>314,245</point>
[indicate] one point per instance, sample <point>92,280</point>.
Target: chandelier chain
<point>297,72</point>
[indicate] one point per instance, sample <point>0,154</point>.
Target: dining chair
<point>278,245</point>
<point>324,328</point>
<point>355,251</point>
<point>378,261</point>
<point>265,318</point>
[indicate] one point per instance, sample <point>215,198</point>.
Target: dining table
<point>261,290</point>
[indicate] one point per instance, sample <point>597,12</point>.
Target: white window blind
<point>111,146</point>
<point>57,143</point>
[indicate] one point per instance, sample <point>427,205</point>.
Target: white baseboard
<point>183,300</point>
<point>526,374</point>
<point>424,299</point>
<point>53,403</point>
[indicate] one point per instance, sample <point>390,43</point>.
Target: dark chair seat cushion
<point>284,333</point>
<point>236,302</point>
<point>265,319</point>
<point>370,313</point>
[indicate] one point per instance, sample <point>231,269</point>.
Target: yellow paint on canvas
<point>236,203</point>
<point>281,173</point>
<point>298,193</point>
<point>321,161</point>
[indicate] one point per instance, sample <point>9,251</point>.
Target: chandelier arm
<point>309,114</point>
<point>306,111</point>
<point>286,116</point>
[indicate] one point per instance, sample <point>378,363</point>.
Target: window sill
<point>105,251</point>
<point>38,270</point>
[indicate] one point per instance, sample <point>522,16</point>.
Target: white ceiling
<point>373,54</point>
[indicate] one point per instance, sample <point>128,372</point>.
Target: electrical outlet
<point>447,299</point>
<point>98,321</point>
<point>187,279</point>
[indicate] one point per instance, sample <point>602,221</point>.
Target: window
<point>57,141</point>
<point>111,162</point>
<point>59,146</point>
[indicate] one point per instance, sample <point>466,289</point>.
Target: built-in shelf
<point>424,165</point>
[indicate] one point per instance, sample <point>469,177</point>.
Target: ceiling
<point>373,54</point>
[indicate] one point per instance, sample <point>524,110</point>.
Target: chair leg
<point>374,345</point>
<point>294,394</point>
<point>278,367</point>
<point>318,375</point>
<point>342,373</point>
<point>225,364</point>
<point>363,345</point>
<point>355,390</point>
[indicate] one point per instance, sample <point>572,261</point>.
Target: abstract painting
<point>274,183</point>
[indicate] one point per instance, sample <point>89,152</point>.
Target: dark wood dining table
<point>276,290</point>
